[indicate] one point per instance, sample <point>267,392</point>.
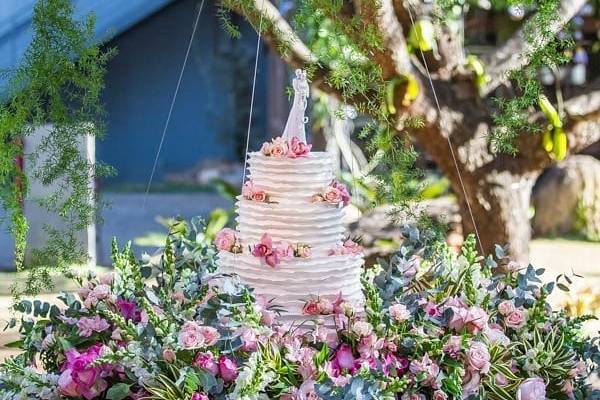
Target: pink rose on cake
<point>226,240</point>
<point>271,253</point>
<point>251,192</point>
<point>298,148</point>
<point>336,193</point>
<point>349,247</point>
<point>279,147</point>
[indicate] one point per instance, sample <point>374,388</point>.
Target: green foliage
<point>512,118</point>
<point>58,82</point>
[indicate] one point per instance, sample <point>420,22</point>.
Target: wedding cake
<point>289,243</point>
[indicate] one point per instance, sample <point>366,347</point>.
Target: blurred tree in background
<point>508,94</point>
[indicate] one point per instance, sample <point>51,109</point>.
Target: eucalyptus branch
<point>516,52</point>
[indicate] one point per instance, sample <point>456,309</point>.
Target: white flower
<point>362,328</point>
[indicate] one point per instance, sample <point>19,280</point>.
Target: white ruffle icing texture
<point>293,218</point>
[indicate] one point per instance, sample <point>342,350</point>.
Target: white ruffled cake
<point>289,243</point>
<point>293,217</point>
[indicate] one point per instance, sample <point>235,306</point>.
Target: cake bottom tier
<point>293,282</point>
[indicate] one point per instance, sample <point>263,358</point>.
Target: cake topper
<point>296,120</point>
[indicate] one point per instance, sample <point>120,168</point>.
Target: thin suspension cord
<point>256,57</point>
<point>162,138</point>
<point>456,166</point>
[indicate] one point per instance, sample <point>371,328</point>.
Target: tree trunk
<point>500,203</point>
<point>498,191</point>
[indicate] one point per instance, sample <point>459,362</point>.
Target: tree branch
<point>394,57</point>
<point>280,37</point>
<point>515,52</point>
<point>584,103</point>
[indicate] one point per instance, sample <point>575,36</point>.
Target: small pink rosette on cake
<point>335,193</point>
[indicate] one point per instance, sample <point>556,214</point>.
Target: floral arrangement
<point>279,147</point>
<point>436,325</point>
<point>272,253</point>
<point>251,192</point>
<point>335,193</point>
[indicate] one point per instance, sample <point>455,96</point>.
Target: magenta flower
<point>129,310</point>
<point>344,358</point>
<point>80,377</point>
<point>199,396</point>
<point>227,369</point>
<point>207,362</point>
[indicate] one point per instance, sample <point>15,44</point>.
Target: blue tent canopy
<point>112,18</point>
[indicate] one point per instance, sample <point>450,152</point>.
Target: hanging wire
<point>164,132</point>
<point>456,166</point>
<point>256,57</point>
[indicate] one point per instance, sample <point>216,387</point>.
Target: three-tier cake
<point>289,243</point>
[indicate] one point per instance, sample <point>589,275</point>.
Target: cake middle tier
<point>315,224</point>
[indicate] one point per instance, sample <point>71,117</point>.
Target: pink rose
<point>532,389</point>
<point>311,307</point>
<point>225,239</point>
<point>248,338</point>
<point>206,362</point>
<point>298,148</point>
<point>473,319</point>
<point>260,196</point>
<point>210,335</point>
<point>279,147</point>
<point>439,395</point>
<point>169,355</point>
<point>478,357</point>
<point>193,336</point>
<point>399,312</point>
<point>515,320</point>
<point>87,326</point>
<point>199,396</point>
<point>506,307</point>
<point>333,195</point>
<point>227,369</point>
<point>344,358</point>
<point>476,320</point>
